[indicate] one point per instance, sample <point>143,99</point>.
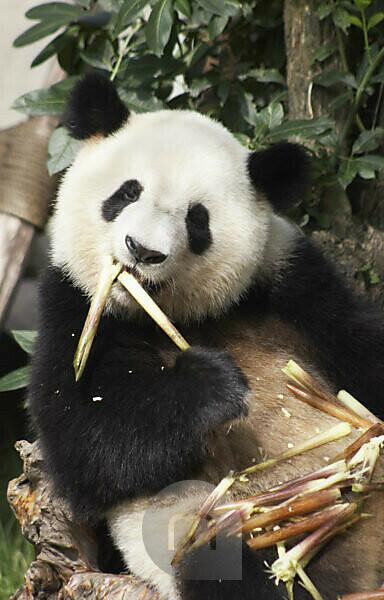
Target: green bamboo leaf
<point>99,54</point>
<point>323,52</point>
<point>54,12</point>
<point>46,101</point>
<point>305,128</point>
<point>140,100</point>
<point>15,380</point>
<point>217,25</point>
<point>362,4</point>
<point>330,78</point>
<point>323,10</point>
<point>62,150</point>
<point>129,10</point>
<point>184,7</point>
<point>375,20</point>
<point>36,32</point>
<point>217,7</point>
<point>54,47</point>
<point>347,172</point>
<point>109,5</point>
<point>25,339</point>
<point>368,140</point>
<point>356,21</point>
<point>264,76</point>
<point>341,19</point>
<point>370,161</point>
<point>158,28</point>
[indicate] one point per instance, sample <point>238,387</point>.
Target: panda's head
<point>173,196</point>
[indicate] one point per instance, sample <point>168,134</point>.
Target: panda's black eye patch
<point>126,194</point>
<point>199,233</point>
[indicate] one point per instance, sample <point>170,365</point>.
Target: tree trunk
<point>65,567</point>
<point>304,34</point>
<point>358,248</point>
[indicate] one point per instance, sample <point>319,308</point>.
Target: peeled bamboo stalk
<point>208,505</point>
<point>107,277</point>
<point>334,433</point>
<point>140,295</point>
<point>103,288</point>
<point>331,469</point>
<point>353,404</point>
<point>375,595</point>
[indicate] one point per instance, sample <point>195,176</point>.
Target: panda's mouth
<point>151,287</point>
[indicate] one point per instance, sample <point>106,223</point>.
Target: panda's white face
<point>168,195</point>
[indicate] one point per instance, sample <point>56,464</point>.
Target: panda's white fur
<point>173,146</point>
<point>181,158</point>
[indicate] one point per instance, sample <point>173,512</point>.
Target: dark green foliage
<point>18,379</point>
<point>225,58</point>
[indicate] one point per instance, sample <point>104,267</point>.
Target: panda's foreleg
<point>231,571</point>
<point>130,425</point>
<point>345,333</point>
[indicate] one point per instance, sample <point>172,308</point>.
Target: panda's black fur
<point>142,415</point>
<point>94,108</point>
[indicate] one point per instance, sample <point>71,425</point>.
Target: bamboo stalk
<point>374,430</point>
<point>308,584</point>
<point>103,288</point>
<point>331,408</point>
<point>357,407</point>
<point>338,431</point>
<point>140,295</point>
<point>299,506</point>
<point>106,279</point>
<point>375,595</point>
<point>207,506</point>
<point>304,379</point>
<point>285,567</point>
<point>264,499</point>
<point>229,521</point>
<point>336,467</point>
<point>309,524</point>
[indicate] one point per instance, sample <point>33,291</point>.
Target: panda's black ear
<point>281,172</point>
<point>94,108</point>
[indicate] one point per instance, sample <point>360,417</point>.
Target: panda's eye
<point>199,233</point>
<point>131,190</point>
<point>126,194</point>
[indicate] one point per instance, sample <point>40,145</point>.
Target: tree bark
<point>304,34</point>
<point>357,247</point>
<point>65,567</point>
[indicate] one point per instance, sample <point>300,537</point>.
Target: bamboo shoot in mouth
<point>107,278</point>
<point>151,308</point>
<point>103,288</point>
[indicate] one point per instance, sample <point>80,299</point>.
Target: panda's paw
<point>223,383</point>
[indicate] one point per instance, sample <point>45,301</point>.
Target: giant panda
<point>181,203</point>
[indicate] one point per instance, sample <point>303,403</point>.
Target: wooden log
<point>15,239</point>
<point>25,191</point>
<point>65,567</point>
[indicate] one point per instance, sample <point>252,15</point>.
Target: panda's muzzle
<point>144,255</point>
<point>149,286</point>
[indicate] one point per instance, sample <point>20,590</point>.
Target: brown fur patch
<point>354,560</point>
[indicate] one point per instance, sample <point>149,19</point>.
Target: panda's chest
<point>262,346</point>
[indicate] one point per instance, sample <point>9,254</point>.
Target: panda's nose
<point>144,255</point>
